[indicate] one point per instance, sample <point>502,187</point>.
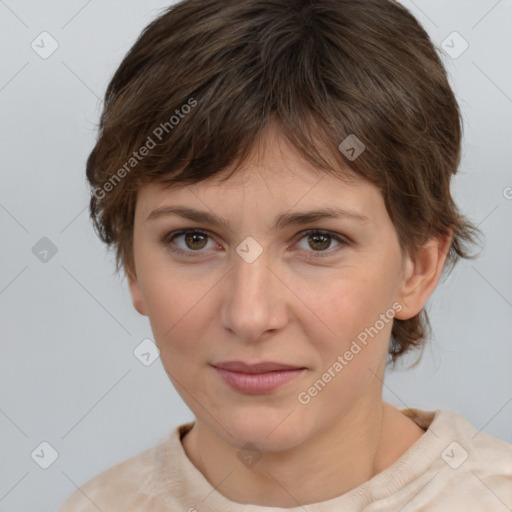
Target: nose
<point>254,299</point>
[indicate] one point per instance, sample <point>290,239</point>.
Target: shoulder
<point>470,469</point>
<point>127,485</point>
<point>112,488</point>
<point>473,449</point>
<point>487,461</point>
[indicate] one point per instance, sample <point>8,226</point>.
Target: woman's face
<point>262,285</point>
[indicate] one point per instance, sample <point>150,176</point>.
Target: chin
<point>271,432</point>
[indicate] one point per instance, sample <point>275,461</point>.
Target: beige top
<point>452,467</point>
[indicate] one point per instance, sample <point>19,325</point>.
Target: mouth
<point>257,378</point>
<point>264,367</point>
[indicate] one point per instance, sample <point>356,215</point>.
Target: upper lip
<point>267,366</point>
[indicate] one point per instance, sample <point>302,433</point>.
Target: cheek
<point>354,348</point>
<point>348,309</point>
<point>345,300</point>
<point>179,312</point>
<point>170,292</point>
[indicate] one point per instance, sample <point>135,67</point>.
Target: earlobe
<point>137,299</point>
<point>421,276</point>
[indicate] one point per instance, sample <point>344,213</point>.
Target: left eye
<point>321,240</point>
<point>196,240</point>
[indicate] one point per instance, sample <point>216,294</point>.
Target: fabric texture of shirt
<point>451,467</point>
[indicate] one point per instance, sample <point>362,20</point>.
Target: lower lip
<point>258,382</point>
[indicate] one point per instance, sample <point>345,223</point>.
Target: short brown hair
<point>214,74</point>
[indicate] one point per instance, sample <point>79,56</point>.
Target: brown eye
<point>193,241</point>
<point>320,241</point>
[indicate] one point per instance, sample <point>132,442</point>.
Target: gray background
<point>68,375</point>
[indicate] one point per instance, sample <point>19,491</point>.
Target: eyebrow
<point>285,219</point>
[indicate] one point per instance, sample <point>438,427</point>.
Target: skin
<point>283,307</point>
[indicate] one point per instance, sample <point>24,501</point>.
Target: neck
<point>349,453</point>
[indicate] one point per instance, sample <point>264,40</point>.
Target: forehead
<point>274,177</point>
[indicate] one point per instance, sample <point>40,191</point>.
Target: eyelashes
<point>168,242</point>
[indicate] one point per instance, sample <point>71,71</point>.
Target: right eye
<point>194,240</point>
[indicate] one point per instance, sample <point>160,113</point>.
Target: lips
<point>257,378</point>
<point>264,367</point>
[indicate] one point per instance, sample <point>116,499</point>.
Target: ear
<point>421,275</point>
<point>135,292</point>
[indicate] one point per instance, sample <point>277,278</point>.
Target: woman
<point>275,179</point>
